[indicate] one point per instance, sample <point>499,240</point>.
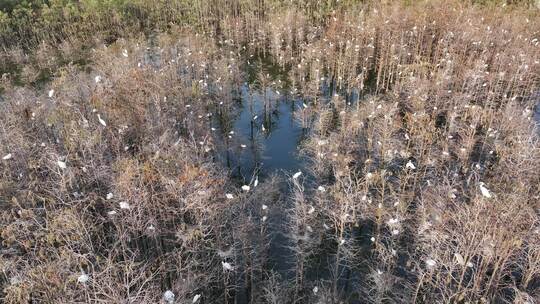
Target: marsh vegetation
<point>271,152</point>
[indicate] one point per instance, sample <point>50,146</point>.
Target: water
<point>270,134</point>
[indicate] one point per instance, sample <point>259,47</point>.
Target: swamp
<point>269,151</point>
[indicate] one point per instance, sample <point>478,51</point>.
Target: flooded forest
<point>269,151</point>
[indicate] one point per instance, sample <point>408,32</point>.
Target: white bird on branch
<point>485,191</point>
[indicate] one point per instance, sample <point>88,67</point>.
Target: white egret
<point>110,196</point>
<point>393,221</point>
<point>321,188</point>
<point>256,182</point>
<point>297,175</point>
<point>410,165</point>
<point>196,298</point>
<point>61,164</point>
<point>101,121</point>
<point>485,191</point>
<point>124,205</point>
<point>459,258</point>
<point>229,196</point>
<point>430,263</point>
<point>246,188</point>
<point>227,266</point>
<point>51,93</point>
<point>83,278</point>
<point>7,156</point>
<point>168,295</point>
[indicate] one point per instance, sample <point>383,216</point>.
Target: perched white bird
<point>110,196</point>
<point>124,205</point>
<point>393,221</point>
<point>83,278</point>
<point>111,212</point>
<point>485,191</point>
<point>101,121</point>
<point>297,175</point>
<point>264,218</point>
<point>229,196</point>
<point>245,188</point>
<point>196,298</point>
<point>256,182</point>
<point>372,239</point>
<point>459,258</point>
<point>168,296</point>
<point>264,207</point>
<point>315,290</point>
<point>311,210</point>
<point>51,93</point>
<point>321,188</point>
<point>410,165</point>
<point>243,146</point>
<point>97,79</point>
<point>341,242</point>
<point>7,156</point>
<point>255,117</point>
<point>227,266</point>
<point>125,53</point>
<point>61,164</point>
<point>263,128</point>
<point>430,263</point>
<point>304,105</point>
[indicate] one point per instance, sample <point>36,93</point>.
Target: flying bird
<point>410,165</point>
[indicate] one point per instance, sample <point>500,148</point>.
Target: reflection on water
<point>265,134</point>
